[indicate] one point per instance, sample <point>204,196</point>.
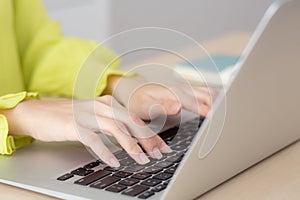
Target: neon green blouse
<point>36,58</point>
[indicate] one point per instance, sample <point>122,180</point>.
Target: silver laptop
<point>262,116</point>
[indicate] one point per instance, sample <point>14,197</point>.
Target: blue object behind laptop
<point>222,61</point>
<point>206,70</point>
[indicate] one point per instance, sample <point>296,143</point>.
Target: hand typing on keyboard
<point>150,99</point>
<point>141,181</point>
<point>80,120</point>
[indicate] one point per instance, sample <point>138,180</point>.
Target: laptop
<point>261,106</point>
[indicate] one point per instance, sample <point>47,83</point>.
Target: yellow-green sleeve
<point>8,143</point>
<point>51,63</point>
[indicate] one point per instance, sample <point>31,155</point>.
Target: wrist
<point>16,119</point>
<point>11,117</point>
<point>111,84</point>
<point>121,88</point>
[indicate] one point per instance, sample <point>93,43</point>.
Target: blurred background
<point>200,19</point>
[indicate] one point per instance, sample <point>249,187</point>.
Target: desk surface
<point>274,178</point>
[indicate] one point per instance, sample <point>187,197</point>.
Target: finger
<point>155,107</point>
<point>200,94</point>
<point>92,140</point>
<point>199,108</point>
<point>214,93</point>
<point>187,98</point>
<point>171,107</point>
<point>195,99</point>
<point>119,131</point>
<point>210,91</point>
<point>140,130</point>
<point>203,110</point>
<point>155,146</point>
<point>149,140</point>
<point>135,126</point>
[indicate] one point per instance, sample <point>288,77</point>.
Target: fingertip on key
<point>156,153</point>
<point>113,162</point>
<point>166,149</point>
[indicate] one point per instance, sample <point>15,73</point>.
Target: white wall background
<point>83,18</point>
<point>200,19</point>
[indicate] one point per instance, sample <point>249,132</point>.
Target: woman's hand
<point>80,120</point>
<point>149,99</point>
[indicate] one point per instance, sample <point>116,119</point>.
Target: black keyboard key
<point>91,165</point>
<point>170,170</point>
<point>65,177</point>
<point>110,169</point>
<point>100,162</point>
<point>159,188</point>
<point>134,168</point>
<point>116,188</point>
<point>129,181</point>
<point>163,164</point>
<point>169,133</point>
<point>92,177</point>
<point>153,170</point>
<point>167,182</point>
<point>189,138</point>
<point>181,154</point>
<point>178,147</point>
<point>135,190</point>
<point>178,138</point>
<point>191,133</point>
<point>121,154</point>
<point>151,182</point>
<point>152,162</point>
<point>122,174</point>
<point>186,143</point>
<point>103,183</point>
<point>168,139</point>
<point>141,176</point>
<point>127,162</point>
<point>169,142</point>
<point>174,159</point>
<point>82,171</point>
<point>163,176</point>
<point>146,195</point>
<point>179,157</point>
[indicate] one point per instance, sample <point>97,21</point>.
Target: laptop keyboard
<point>132,179</point>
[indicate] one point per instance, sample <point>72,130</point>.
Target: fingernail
<point>143,159</point>
<point>156,153</point>
<point>175,107</point>
<point>166,149</point>
<point>114,162</point>
<point>140,158</point>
